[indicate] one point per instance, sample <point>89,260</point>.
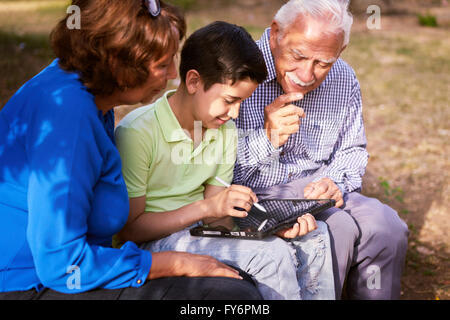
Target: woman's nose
<point>172,72</point>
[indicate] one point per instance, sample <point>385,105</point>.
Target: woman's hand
<point>183,264</point>
<point>304,225</point>
<point>223,203</point>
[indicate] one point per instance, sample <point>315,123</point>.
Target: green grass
<point>184,4</point>
<point>21,57</point>
<point>24,40</point>
<point>427,20</point>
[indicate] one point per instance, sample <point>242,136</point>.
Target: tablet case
<point>281,214</point>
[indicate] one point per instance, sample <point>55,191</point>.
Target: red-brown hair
<point>116,42</point>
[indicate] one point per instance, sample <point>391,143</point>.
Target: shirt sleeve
<point>65,164</point>
<point>136,156</point>
<point>254,152</point>
<point>349,159</point>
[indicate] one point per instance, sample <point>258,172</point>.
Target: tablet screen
<point>280,211</point>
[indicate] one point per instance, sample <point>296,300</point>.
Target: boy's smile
<point>213,107</point>
<point>221,102</point>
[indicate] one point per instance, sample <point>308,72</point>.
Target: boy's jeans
<point>295,269</point>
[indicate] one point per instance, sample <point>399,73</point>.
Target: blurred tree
<point>360,6</point>
<point>191,4</point>
<point>185,4</point>
<point>388,6</point>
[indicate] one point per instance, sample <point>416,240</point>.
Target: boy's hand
<point>223,204</point>
<point>304,225</point>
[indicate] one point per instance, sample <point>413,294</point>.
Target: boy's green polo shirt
<point>159,160</point>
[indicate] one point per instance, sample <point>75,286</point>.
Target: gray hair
<point>341,18</point>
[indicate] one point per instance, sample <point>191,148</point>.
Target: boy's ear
<point>193,81</point>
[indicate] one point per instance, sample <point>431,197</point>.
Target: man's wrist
<point>341,187</point>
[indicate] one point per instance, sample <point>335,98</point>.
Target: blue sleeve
<point>65,162</point>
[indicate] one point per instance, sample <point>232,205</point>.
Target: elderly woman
<point>62,194</point>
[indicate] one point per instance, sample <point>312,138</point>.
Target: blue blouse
<point>62,194</point>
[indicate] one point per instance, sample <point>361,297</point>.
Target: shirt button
<point>290,175</point>
<point>139,281</point>
<point>282,153</point>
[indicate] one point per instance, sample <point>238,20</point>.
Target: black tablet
<point>281,214</point>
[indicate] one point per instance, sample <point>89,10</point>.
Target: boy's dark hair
<point>221,51</point>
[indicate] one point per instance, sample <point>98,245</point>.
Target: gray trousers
<point>368,242</point>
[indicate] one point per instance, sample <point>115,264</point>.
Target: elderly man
<point>302,135</point>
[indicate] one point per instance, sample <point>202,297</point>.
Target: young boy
<point>173,150</point>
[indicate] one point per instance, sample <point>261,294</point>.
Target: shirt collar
<point>167,120</point>
<point>264,46</point>
<point>170,127</point>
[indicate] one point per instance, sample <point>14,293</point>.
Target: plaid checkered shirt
<point>331,137</point>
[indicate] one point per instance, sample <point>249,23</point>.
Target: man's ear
<point>342,50</point>
<point>274,33</point>
<point>193,81</point>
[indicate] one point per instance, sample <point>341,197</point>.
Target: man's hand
<point>304,225</point>
<point>325,188</point>
<point>282,119</point>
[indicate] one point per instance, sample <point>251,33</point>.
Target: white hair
<point>341,18</point>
